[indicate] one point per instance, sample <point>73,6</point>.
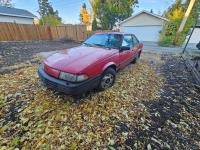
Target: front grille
<point>50,84</point>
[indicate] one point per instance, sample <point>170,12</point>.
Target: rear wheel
<point>108,79</point>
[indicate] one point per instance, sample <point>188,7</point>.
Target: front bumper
<point>68,87</point>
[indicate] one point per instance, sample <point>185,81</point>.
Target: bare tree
<point>7,3</point>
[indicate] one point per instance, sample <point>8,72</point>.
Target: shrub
<point>94,25</point>
<point>168,33</point>
<point>50,20</point>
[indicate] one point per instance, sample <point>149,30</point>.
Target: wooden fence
<point>22,32</point>
<point>89,33</point>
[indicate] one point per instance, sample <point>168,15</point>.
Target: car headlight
<point>72,77</point>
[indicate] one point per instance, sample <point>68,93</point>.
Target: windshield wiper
<point>87,44</point>
<point>93,44</point>
<point>100,45</point>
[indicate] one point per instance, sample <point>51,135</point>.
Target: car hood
<point>75,60</point>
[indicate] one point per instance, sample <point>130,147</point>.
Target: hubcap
<point>107,81</point>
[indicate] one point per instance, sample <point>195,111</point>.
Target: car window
<point>114,41</point>
<point>97,39</point>
<point>105,40</point>
<point>128,41</point>
<point>135,40</point>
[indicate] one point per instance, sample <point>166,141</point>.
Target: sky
<point>69,9</point>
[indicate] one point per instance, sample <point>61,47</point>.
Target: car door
<point>136,47</point>
<point>125,56</point>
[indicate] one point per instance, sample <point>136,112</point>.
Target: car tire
<point>107,79</point>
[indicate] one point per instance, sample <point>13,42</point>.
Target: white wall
<point>146,27</point>
<point>16,19</point>
<point>144,33</point>
<point>195,36</point>
<point>143,20</point>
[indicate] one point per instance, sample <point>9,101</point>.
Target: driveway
<point>153,46</point>
<point>15,55</point>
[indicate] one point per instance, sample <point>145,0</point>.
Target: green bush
<point>50,20</point>
<point>168,33</point>
<point>165,40</point>
<point>94,25</point>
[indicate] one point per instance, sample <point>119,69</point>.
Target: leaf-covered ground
<point>152,105</point>
<point>14,53</point>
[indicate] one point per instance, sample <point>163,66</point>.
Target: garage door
<point>144,33</point>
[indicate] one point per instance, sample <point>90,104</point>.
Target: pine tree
<point>7,3</point>
<point>47,13</point>
<point>94,25</point>
<point>45,8</point>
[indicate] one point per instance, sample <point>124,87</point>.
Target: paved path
<point>154,47</point>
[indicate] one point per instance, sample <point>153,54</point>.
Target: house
<point>21,16</point>
<point>145,25</point>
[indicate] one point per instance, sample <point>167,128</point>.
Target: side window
<point>135,40</point>
<point>114,41</point>
<point>128,41</point>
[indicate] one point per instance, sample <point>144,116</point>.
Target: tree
<point>175,14</point>
<point>94,25</point>
<point>7,3</point>
<point>176,11</point>
<point>84,16</point>
<point>50,20</point>
<point>110,12</point>
<point>44,8</point>
<point>47,13</point>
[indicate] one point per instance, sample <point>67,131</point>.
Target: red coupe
<point>92,65</point>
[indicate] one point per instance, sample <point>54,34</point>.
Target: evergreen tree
<point>45,8</point>
<point>47,13</point>
<point>94,25</point>
<point>7,3</point>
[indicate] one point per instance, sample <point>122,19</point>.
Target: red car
<point>92,65</point>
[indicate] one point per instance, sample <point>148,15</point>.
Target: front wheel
<point>108,79</point>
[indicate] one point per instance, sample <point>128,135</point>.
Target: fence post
<point>50,33</point>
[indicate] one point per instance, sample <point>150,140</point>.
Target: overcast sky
<point>69,9</point>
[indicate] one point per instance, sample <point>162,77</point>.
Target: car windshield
<point>104,40</point>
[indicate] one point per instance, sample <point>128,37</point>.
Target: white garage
<point>145,25</point>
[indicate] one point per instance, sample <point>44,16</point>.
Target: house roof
<point>146,12</point>
<point>9,11</point>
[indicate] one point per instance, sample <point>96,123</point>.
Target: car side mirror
<point>124,48</point>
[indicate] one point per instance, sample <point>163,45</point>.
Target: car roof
<point>120,33</point>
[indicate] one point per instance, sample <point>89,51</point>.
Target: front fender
<point>108,65</point>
